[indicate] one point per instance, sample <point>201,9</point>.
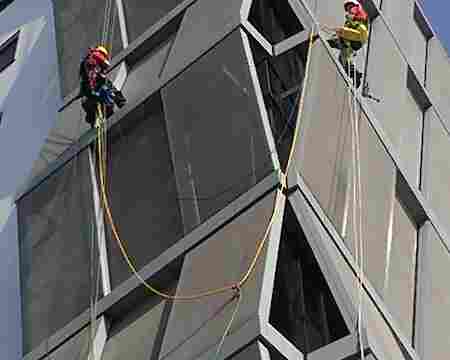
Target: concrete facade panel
<point>433,316</point>
<point>194,327</point>
<point>256,351</point>
<point>399,283</point>
<point>329,13</point>
<point>436,167</point>
<point>76,348</point>
<point>391,112</point>
<point>410,138</point>
<point>400,16</point>
<point>323,157</point>
<point>69,126</point>
<point>140,16</point>
<point>146,72</point>
<point>217,137</point>
<point>438,77</point>
<point>10,331</point>
<point>205,23</point>
<point>137,340</point>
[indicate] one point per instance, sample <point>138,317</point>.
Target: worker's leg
<point>89,105</point>
<point>335,43</point>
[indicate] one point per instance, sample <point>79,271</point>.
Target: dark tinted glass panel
<point>8,51</point>
<point>140,15</point>
<point>216,131</point>
<point>5,3</point>
<point>281,80</point>
<point>303,308</point>
<point>274,19</point>
<point>79,25</point>
<point>55,233</point>
<point>141,187</point>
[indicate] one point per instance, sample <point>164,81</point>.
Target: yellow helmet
<point>103,50</point>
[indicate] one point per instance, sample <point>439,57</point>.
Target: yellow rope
<point>101,152</point>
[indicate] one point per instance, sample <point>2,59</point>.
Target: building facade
<point>279,212</point>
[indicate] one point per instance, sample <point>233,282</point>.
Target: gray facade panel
<point>195,327</point>
<point>77,348</point>
<point>55,232</point>
<point>436,167</point>
<point>324,158</point>
<point>137,340</point>
<point>410,146</point>
<point>146,73</point>
<point>141,15</point>
<point>204,24</point>
<point>255,351</point>
<point>433,337</point>
<point>399,282</point>
<point>400,16</point>
<point>216,133</point>
<point>392,111</point>
<point>10,313</point>
<point>438,77</point>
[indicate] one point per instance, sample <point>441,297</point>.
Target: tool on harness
<point>366,93</point>
<point>95,87</point>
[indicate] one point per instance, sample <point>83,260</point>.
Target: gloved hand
<point>106,96</point>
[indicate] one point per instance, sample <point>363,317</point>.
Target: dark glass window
<point>56,230</point>
<point>142,189</point>
<point>303,308</point>
<point>8,51</point>
<point>5,3</point>
<point>281,80</point>
<point>274,19</point>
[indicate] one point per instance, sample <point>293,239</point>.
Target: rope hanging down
<point>101,153</point>
<point>356,198</point>
<point>235,287</point>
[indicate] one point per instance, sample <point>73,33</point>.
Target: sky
<point>438,12</point>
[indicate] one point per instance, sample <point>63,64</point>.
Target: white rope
<point>356,197</point>
<point>359,206</point>
<point>106,22</point>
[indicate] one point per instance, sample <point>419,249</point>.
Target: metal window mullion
<point>100,226</point>
<point>99,341</point>
<point>122,23</point>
